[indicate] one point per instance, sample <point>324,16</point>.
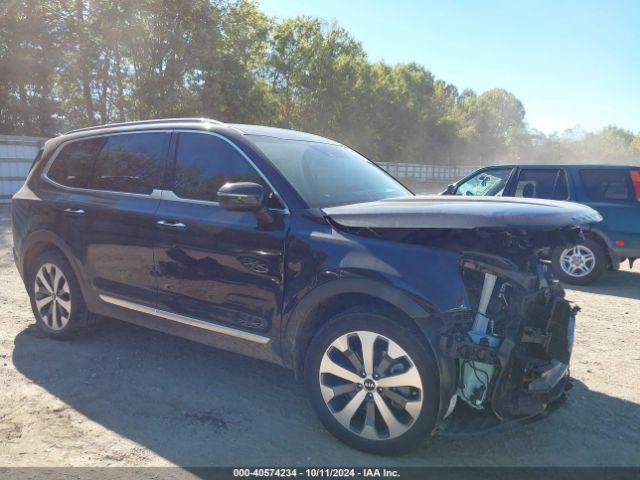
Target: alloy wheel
<point>370,385</point>
<point>577,261</point>
<point>52,296</point>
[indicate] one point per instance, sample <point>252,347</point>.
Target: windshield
<point>327,175</point>
<point>487,183</point>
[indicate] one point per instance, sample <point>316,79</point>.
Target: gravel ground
<point>126,396</point>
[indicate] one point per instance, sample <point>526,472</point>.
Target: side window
<point>561,191</point>
<point>130,163</point>
<point>72,166</point>
<point>542,183</point>
<point>487,183</point>
<point>603,184</point>
<point>204,163</point>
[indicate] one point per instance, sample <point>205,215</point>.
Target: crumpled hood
<point>431,211</point>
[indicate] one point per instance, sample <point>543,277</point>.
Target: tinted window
<point>204,163</point>
<point>602,184</point>
<point>561,191</point>
<point>487,183</point>
<point>542,183</point>
<point>326,175</point>
<point>130,163</point>
<point>72,166</point>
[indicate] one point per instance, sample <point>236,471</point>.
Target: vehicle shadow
<point>197,406</point>
<point>623,283</point>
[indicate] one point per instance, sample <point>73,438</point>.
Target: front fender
<point>322,261</point>
<point>430,275</point>
<point>420,281</point>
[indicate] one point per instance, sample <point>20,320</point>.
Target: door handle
<point>170,224</point>
<point>74,211</point>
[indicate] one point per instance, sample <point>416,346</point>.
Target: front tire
<point>580,264</point>
<point>56,299</point>
<point>373,382</point>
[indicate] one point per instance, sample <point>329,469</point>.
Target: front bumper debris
<point>467,422</point>
<point>535,368</point>
<point>531,362</point>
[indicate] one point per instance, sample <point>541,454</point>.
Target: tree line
<point>72,63</point>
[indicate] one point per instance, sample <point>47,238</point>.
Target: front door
<point>547,183</point>
<point>216,265</point>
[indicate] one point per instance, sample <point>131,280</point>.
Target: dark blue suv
<point>612,190</point>
<point>294,249</point>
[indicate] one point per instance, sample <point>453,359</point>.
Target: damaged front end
<point>505,348</point>
<point>513,348</point>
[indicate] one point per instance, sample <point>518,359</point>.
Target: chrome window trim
<point>170,196</point>
<point>174,197</point>
<point>156,193</point>
<point>193,322</point>
<point>44,176</point>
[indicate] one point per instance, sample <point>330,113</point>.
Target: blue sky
<point>569,62</point>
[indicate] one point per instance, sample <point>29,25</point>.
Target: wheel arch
<point>340,295</point>
<point>331,298</point>
<point>596,235</point>
<point>40,241</point>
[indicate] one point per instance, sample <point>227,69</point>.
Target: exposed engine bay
<point>513,349</point>
<point>513,342</point>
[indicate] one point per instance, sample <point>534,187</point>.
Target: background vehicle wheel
<point>580,264</point>
<point>373,383</point>
<point>56,299</point>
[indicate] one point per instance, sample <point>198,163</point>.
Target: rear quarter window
<point>607,184</point>
<point>72,165</point>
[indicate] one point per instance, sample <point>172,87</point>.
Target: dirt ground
<point>126,396</point>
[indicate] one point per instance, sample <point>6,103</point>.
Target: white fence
<point>16,156</point>
<point>427,173</point>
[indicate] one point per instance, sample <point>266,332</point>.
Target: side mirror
<point>242,197</point>
<point>245,197</point>
<point>451,190</point>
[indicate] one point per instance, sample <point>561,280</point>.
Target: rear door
<point>119,233</point>
<point>615,193</point>
<point>65,201</point>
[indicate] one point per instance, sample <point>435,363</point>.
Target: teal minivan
<point>612,190</point>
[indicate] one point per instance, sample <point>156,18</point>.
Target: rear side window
<point>204,163</point>
<point>550,184</point>
<point>607,184</point>
<point>72,166</point>
<point>130,163</point>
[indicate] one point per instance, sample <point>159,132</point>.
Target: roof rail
<point>148,122</point>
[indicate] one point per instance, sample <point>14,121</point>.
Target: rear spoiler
<point>35,160</point>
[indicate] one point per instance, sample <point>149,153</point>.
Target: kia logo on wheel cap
<point>369,384</point>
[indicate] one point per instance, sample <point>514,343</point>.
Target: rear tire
<point>56,298</point>
<point>386,404</point>
<point>580,264</point>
